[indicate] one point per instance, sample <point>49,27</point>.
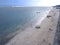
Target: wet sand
<point>42,34</point>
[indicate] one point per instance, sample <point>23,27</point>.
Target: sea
<point>13,19</point>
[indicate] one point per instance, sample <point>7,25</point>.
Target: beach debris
<point>50,29</point>
<point>48,16</point>
<point>38,27</point>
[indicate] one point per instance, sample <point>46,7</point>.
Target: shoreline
<point>13,34</point>
<point>44,35</point>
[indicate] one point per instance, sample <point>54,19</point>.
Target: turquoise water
<point>12,17</point>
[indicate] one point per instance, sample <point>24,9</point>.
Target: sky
<point>29,2</point>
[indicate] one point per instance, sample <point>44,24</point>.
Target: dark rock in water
<point>38,27</point>
<point>48,16</point>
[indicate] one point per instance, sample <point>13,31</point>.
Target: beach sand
<point>42,34</point>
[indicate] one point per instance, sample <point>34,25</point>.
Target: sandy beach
<point>42,34</point>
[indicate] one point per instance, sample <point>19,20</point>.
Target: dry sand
<point>43,35</point>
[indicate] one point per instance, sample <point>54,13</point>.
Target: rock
<point>48,16</point>
<point>50,29</point>
<point>38,27</point>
